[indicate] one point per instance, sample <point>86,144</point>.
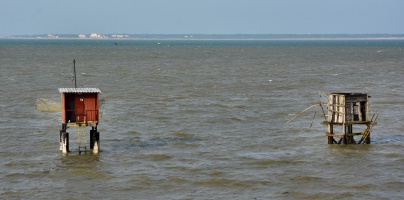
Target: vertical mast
<point>74,69</point>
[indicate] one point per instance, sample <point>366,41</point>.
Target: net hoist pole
<point>74,69</point>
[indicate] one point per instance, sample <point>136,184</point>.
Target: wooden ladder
<point>366,133</point>
<point>82,137</point>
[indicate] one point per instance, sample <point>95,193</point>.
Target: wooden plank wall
<point>347,107</point>
<point>336,108</point>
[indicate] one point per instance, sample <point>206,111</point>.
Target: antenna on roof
<point>74,69</point>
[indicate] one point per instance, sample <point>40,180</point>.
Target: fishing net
<point>46,105</point>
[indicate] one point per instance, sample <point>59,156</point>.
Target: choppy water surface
<point>201,119</point>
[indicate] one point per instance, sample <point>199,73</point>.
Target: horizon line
<point>206,36</point>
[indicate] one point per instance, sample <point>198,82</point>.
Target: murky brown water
<point>201,120</point>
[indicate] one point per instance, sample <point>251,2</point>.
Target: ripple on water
<point>157,157</point>
<point>232,183</point>
<point>277,162</point>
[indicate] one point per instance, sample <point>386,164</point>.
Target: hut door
<point>80,116</point>
<point>357,115</point>
<point>70,108</point>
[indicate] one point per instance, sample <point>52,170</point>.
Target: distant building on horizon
<point>82,36</point>
<point>95,35</point>
<point>119,36</point>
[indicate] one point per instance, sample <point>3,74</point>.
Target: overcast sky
<point>20,17</point>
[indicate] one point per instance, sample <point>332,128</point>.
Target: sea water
<point>201,119</point>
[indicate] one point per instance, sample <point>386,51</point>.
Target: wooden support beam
<point>335,135</point>
<point>342,135</point>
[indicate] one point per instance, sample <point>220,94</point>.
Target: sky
<point>30,17</point>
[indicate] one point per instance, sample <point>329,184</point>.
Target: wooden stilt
<point>344,132</point>
<point>330,140</point>
<point>94,140</point>
<point>60,140</point>
<point>330,131</point>
<point>65,142</point>
<point>96,146</point>
<point>367,141</point>
<point>97,140</point>
<point>95,149</point>
<point>64,139</point>
<point>350,136</point>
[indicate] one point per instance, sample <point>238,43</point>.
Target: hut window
<point>356,111</point>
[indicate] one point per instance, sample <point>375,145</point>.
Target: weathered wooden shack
<point>345,110</point>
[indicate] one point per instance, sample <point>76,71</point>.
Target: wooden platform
<point>74,124</point>
<point>349,122</point>
<point>342,135</point>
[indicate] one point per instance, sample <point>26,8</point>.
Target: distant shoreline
<point>213,39</point>
<point>196,37</point>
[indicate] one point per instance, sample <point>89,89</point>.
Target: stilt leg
<point>350,138</point>
<point>97,136</point>
<point>330,131</point>
<point>64,139</point>
<point>94,140</point>
<point>65,142</point>
<point>330,140</point>
<point>367,140</point>
<point>345,139</point>
<point>60,140</point>
<point>95,149</point>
